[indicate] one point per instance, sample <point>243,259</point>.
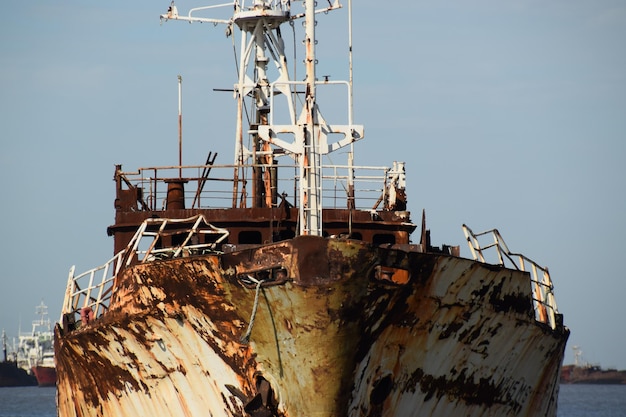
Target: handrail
<point>544,302</point>
<point>79,293</point>
<point>210,185</point>
<point>93,290</point>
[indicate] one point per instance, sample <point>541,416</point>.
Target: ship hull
<point>335,339</point>
<point>46,375</point>
<point>572,374</point>
<point>13,376</point>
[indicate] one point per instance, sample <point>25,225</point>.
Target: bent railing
<point>544,302</point>
<point>88,295</point>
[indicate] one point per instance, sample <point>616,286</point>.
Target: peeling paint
<point>364,346</point>
<point>268,309</point>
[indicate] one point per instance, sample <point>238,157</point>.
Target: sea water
<point>28,402</point>
<point>592,401</point>
<point>574,401</point>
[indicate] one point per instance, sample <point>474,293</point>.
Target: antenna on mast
<point>311,222</point>
<point>351,202</point>
<point>180,126</point>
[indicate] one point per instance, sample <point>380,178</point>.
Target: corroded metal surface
<point>282,315</point>
<point>336,337</point>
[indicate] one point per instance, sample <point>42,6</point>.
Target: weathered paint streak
<point>458,338</point>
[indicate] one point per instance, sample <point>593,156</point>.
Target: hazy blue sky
<point>509,114</point>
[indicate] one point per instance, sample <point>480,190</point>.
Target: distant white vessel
<point>35,352</point>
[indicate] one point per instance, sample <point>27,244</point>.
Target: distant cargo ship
<point>572,374</point>
<point>584,373</point>
<point>35,352</point>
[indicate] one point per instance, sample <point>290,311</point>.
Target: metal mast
<point>310,164</point>
<point>307,132</point>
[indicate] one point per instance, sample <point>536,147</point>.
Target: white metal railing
<point>544,302</point>
<point>92,290</point>
<point>211,186</point>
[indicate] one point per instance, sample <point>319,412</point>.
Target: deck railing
<point>211,186</point>
<point>88,295</point>
<point>91,289</point>
<point>541,285</point>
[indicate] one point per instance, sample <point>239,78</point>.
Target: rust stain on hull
<point>331,339</point>
<point>311,302</point>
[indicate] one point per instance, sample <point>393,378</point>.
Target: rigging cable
<point>246,337</point>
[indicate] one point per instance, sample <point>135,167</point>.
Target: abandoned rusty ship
<point>286,285</point>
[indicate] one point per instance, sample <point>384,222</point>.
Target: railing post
<point>69,290</point>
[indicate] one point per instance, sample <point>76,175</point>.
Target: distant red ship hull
<point>46,376</point>
<point>572,374</point>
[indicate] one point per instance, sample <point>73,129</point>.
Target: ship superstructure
<point>285,284</point>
